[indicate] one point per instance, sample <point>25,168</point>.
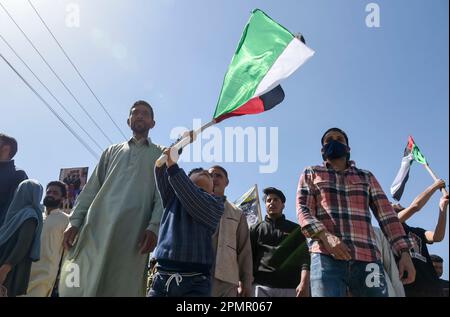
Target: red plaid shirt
<point>339,203</point>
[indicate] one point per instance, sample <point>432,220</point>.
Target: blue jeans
<point>333,278</point>
<point>180,285</point>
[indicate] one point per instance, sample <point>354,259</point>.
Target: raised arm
<point>162,181</point>
<point>439,232</point>
<point>420,201</point>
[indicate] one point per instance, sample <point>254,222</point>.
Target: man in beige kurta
<point>116,218</point>
<point>45,271</point>
<point>233,268</point>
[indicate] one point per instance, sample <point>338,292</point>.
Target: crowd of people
<point>200,243</point>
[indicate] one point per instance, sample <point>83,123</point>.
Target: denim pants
<point>171,284</point>
<point>336,278</point>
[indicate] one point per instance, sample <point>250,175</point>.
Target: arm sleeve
<point>89,192</point>
<point>254,246</point>
<point>244,253</point>
<point>54,249</point>
<point>55,244</point>
<point>162,181</point>
<point>25,238</point>
<point>157,211</point>
<point>20,177</point>
<point>306,206</point>
<point>202,206</point>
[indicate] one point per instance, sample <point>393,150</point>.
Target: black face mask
<point>51,202</point>
<point>335,149</point>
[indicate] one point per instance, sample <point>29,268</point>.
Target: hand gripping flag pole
<point>186,139</point>
<point>428,168</point>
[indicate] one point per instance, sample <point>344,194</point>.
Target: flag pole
<point>259,204</point>
<point>428,168</point>
<point>185,141</point>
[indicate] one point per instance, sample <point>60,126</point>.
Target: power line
<point>76,69</point>
<point>90,150</point>
<point>48,90</point>
<point>54,73</point>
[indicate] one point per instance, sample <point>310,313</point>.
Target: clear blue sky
<point>378,84</point>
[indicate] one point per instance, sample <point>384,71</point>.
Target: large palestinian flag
<point>411,153</point>
<point>267,53</point>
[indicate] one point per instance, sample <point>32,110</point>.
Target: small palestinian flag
<point>267,53</point>
<point>412,153</point>
<point>249,204</point>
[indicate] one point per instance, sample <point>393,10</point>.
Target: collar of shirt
<point>220,198</point>
<point>351,164</point>
<point>279,219</point>
<point>8,163</point>
<point>54,211</point>
<point>139,142</point>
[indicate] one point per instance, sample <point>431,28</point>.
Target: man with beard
<point>44,272</point>
<point>115,218</point>
<point>333,202</point>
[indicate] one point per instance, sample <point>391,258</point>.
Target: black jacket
<point>280,253</point>
<point>10,178</point>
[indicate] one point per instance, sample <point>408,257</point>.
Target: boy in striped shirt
<point>184,252</point>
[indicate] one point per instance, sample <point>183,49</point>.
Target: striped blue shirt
<point>190,218</point>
